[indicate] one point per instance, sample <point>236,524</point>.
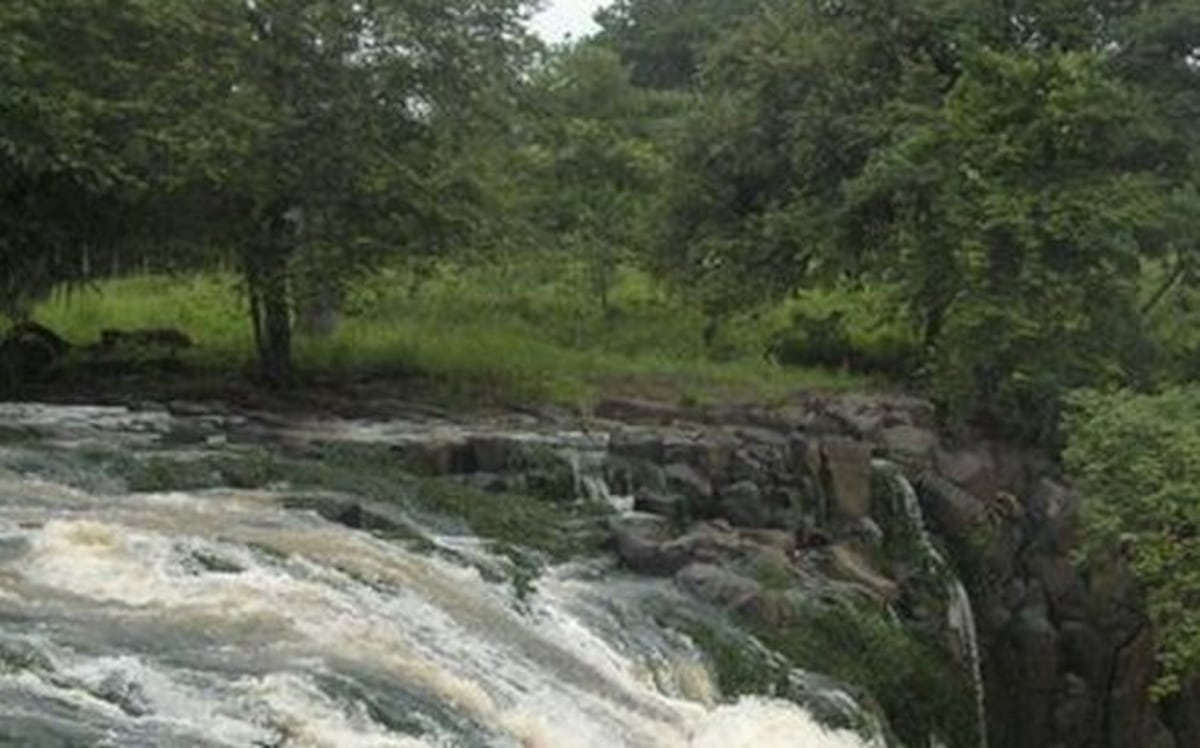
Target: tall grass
<point>526,332</point>
<point>209,308</point>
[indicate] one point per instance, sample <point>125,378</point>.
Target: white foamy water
<point>223,619</point>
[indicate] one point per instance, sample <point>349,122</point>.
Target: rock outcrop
<point>739,503</point>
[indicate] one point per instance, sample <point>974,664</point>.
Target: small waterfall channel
<point>223,617</point>
<point>960,614</point>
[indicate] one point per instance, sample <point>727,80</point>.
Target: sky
<point>562,17</point>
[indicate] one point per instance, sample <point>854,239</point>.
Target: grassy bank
<point>496,333</point>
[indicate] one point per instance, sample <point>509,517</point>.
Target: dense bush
<point>1137,458</point>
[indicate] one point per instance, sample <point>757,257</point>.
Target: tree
<point>270,129</point>
<point>361,105</point>
<point>593,159</point>
<point>989,162</point>
<point>92,134</point>
<point>664,42</point>
<point>793,106</point>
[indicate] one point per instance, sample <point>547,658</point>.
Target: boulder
<point>848,463</point>
<point>780,540</point>
<point>953,511</point>
<point>671,506</point>
<point>719,586</point>
<point>972,470</point>
<point>910,446</point>
<point>742,504</point>
<point>645,555</point>
<point>637,445</point>
<point>848,564</point>
<point>690,482</point>
<point>492,454</point>
<point>437,456</point>
<point>865,532</point>
<point>633,410</point>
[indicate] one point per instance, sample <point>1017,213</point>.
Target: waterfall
<point>960,614</point>
<point>224,618</point>
<point>587,460</point>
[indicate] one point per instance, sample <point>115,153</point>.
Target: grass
<point>497,332</point>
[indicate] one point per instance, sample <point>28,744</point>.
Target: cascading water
<point>959,612</point>
<point>220,618</point>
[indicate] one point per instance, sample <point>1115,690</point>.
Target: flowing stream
<point>222,618</point>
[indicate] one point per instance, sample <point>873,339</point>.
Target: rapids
<point>222,618</point>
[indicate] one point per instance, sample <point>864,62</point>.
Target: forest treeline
<point>1017,179</point>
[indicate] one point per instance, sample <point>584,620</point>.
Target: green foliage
<point>280,132</point>
<point>665,41</point>
<point>591,163</point>
<point>984,166</point>
<point>1137,460</point>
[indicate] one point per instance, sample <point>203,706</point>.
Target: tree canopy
<point>263,129</point>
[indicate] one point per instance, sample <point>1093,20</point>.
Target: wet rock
<point>865,532</point>
<point>972,470</point>
<point>487,482</point>
<point>910,446</point>
<point>780,540</point>
<point>689,482</point>
<point>848,463</point>
<point>1036,660</point>
<point>671,506</point>
<point>634,410</point>
<point>1182,715</point>
<point>126,694</point>
<point>1064,587</point>
<point>769,438</point>
<point>742,503</point>
<point>437,456</point>
<point>710,542</point>
<point>29,352</point>
<point>719,586</point>
<point>637,445</point>
<point>850,565</point>
<point>1074,711</point>
<point>717,457</point>
<point>748,465</point>
<point>644,554</point>
<point>352,513</point>
<point>1131,712</point>
<point>492,454</point>
<point>953,511</point>
<point>1054,508</point>
<point>1085,651</point>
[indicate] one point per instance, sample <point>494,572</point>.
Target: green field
<point>498,333</point>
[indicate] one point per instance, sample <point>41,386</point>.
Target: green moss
<point>745,666</point>
<point>19,656</point>
<point>543,473</point>
<point>892,662</point>
<point>912,680</point>
<point>627,475</point>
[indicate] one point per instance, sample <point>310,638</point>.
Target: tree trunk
<point>270,312</point>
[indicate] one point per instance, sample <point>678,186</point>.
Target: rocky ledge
<point>723,498</point>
